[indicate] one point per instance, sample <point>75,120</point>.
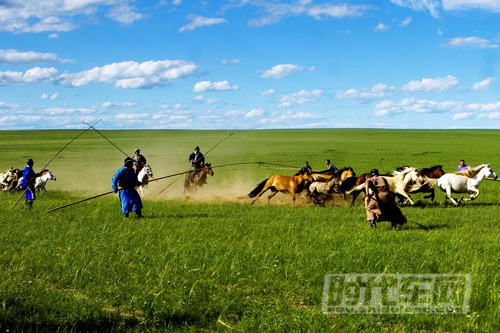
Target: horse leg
<point>430,196</point>
<point>259,195</point>
<point>473,195</point>
<point>273,193</point>
<point>448,195</point>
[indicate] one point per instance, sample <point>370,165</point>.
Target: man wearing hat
<point>197,162</point>
<point>125,181</point>
<point>380,203</point>
<point>28,183</point>
<point>139,160</point>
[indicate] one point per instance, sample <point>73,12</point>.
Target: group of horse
<point>402,182</point>
<point>10,180</point>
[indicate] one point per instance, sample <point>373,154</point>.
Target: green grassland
<point>212,261</point>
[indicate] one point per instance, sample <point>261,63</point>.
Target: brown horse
<point>192,183</point>
<point>278,183</point>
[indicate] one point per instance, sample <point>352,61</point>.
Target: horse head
<point>347,172</point>
<point>51,176</point>
<point>208,168</point>
<point>487,172</point>
<point>147,170</point>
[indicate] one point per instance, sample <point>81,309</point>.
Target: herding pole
<point>60,150</point>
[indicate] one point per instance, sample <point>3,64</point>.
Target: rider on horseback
<point>139,160</point>
<point>197,162</point>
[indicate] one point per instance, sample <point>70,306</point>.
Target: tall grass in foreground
<point>224,264</point>
<point>215,266</point>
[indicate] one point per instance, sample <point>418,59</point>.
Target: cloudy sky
<point>243,64</point>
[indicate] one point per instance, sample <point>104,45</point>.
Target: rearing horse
<point>191,183</point>
<point>278,183</point>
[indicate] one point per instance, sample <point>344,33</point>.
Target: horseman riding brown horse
<point>192,183</point>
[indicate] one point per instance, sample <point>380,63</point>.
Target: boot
<point>373,224</point>
<point>126,215</point>
<point>138,213</point>
<point>29,203</point>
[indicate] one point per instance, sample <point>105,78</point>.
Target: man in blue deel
<point>28,183</point>
<point>125,181</point>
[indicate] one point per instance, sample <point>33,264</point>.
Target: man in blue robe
<point>125,181</point>
<point>28,183</point>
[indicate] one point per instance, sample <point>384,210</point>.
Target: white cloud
<point>420,5</point>
<point>280,71</point>
<point>462,115</point>
<point>20,16</point>
<point>254,113</point>
<point>53,96</point>
<point>486,83</point>
<point>268,92</point>
<point>275,11</point>
<point>469,42</point>
<point>14,57</point>
<point>229,62</point>
<point>377,91</point>
<point>492,5</point>
<point>213,86</point>
<point>431,85</point>
<point>405,22</point>
<point>300,97</point>
<point>459,109</point>
<point>53,36</point>
<point>33,75</point>
<point>130,74</point>
<point>200,21</point>
<point>381,27</point>
<point>124,14</point>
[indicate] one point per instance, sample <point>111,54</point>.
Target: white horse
<point>41,180</point>
<point>399,182</point>
<point>466,181</point>
<point>144,175</point>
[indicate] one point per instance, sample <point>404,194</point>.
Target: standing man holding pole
<point>28,183</point>
<point>125,181</point>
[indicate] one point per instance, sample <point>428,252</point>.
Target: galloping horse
<point>430,176</point>
<point>466,181</point>
<point>144,175</point>
<point>398,181</point>
<point>9,178</point>
<point>41,180</point>
<point>191,183</point>
<point>278,183</point>
<point>321,191</point>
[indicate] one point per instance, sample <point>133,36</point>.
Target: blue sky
<point>244,64</point>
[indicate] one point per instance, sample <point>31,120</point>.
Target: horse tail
<point>258,188</point>
<point>356,189</point>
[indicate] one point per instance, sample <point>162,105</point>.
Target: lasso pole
<point>160,178</point>
<point>95,129</point>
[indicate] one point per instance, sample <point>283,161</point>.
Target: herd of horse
<point>11,180</point>
<point>318,186</point>
<point>402,182</point>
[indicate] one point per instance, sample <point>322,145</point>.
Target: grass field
<point>212,261</point>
